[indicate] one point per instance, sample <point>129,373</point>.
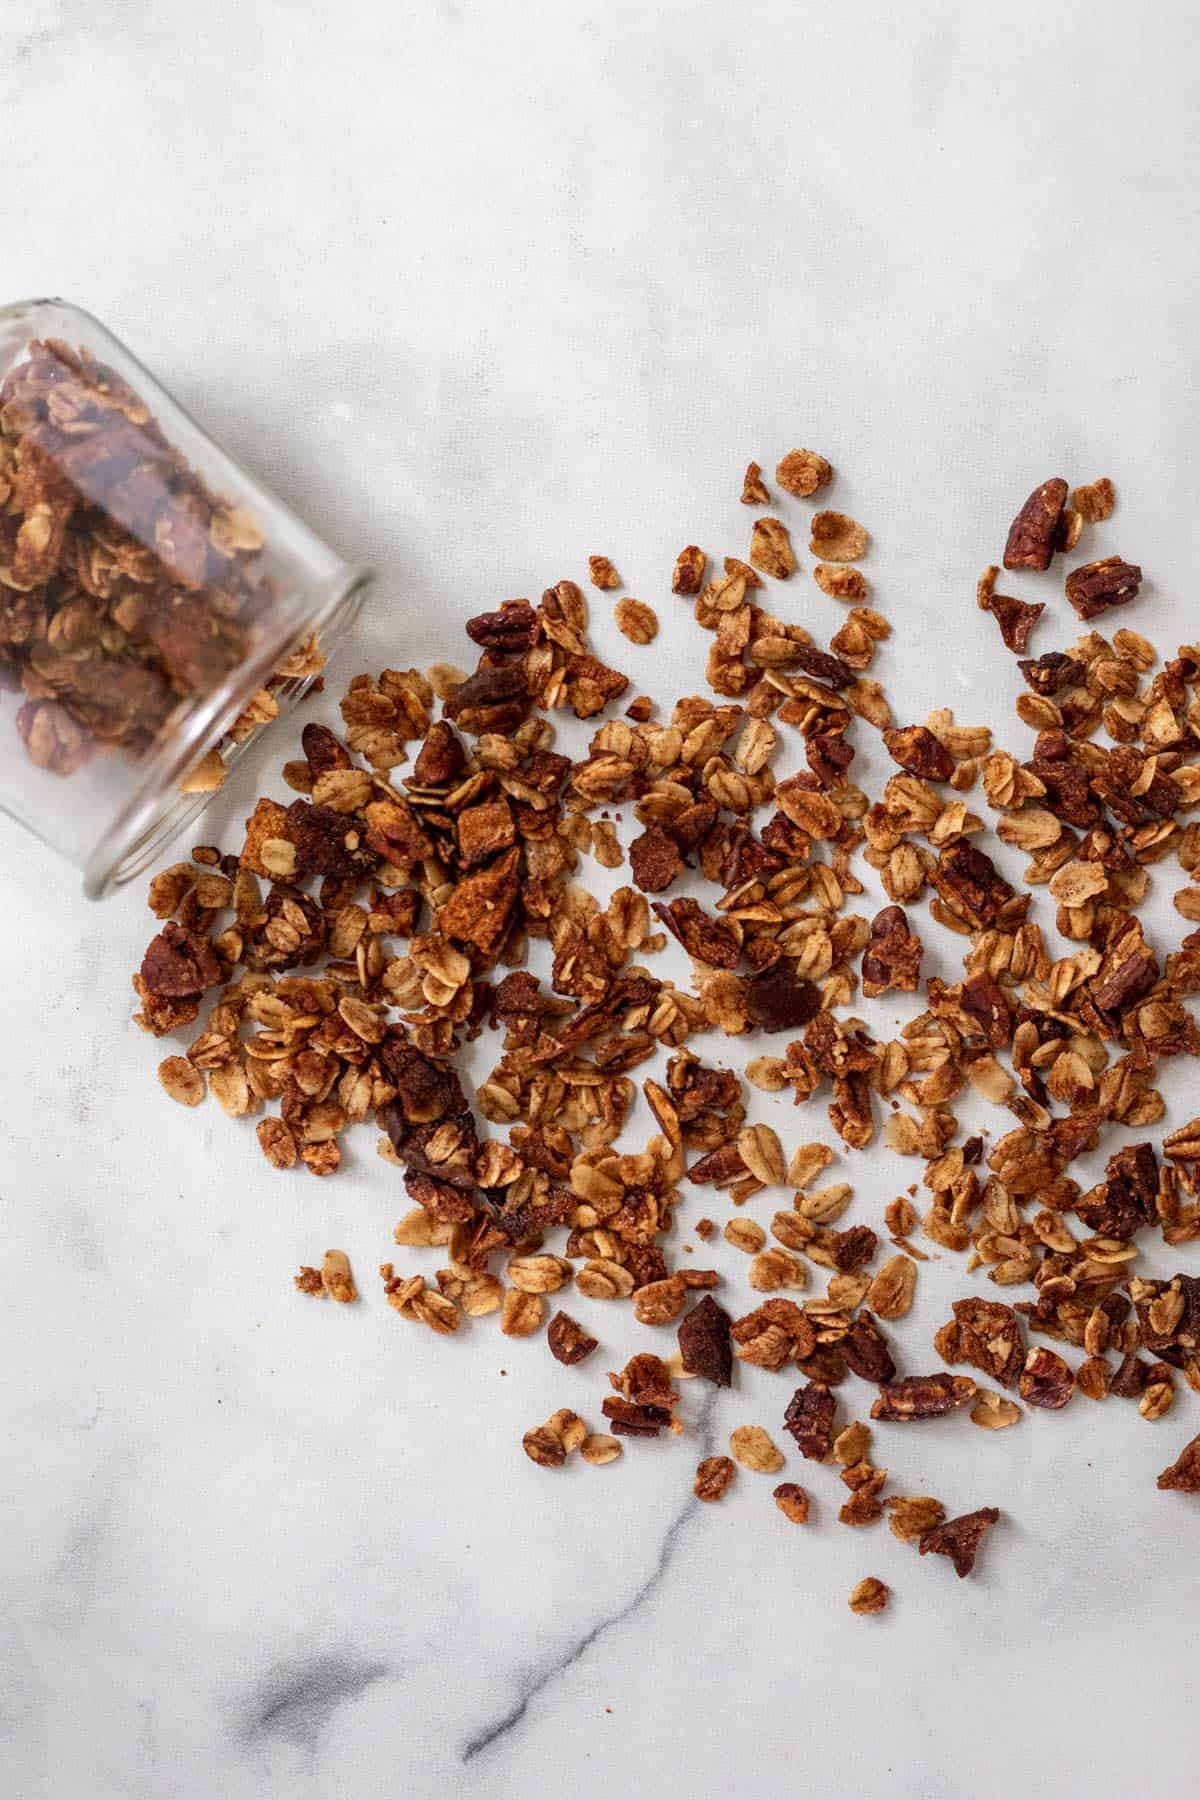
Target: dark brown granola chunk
<point>923,1396</point>
<point>892,958</point>
<point>866,1350</point>
<point>987,1334</point>
<point>1095,586</point>
<point>1046,1379</point>
<point>705,1348</point>
<point>1032,534</point>
<point>809,1420</point>
<point>959,1538</point>
<point>1183,1476</point>
<point>568,1341</point>
<point>703,937</point>
<point>779,999</point>
<point>654,859</point>
<point>179,964</point>
<point>916,749</point>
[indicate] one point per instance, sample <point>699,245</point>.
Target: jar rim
<point>157,810</point>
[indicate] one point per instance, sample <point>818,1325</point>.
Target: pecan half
<point>1095,586</point>
<point>923,1396</point>
<point>1032,534</point>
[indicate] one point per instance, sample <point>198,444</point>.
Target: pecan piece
<point>1032,534</point>
<point>987,1334</point>
<point>568,1341</point>
<point>923,1396</point>
<point>1095,586</point>
<point>866,1350</point>
<point>916,749</point>
<point>654,859</point>
<point>779,999</point>
<point>1046,1379</point>
<point>687,577</point>
<point>179,964</point>
<point>701,936</point>
<point>809,1420</point>
<point>705,1348</point>
<point>1183,1476</point>
<point>1016,618</point>
<point>892,958</point>
<point>959,1538</point>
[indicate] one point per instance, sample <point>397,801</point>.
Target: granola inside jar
<point>158,607</point>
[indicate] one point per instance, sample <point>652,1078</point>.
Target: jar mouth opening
<point>158,811</point>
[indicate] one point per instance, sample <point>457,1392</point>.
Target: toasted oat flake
<point>181,1081</point>
<point>636,621</point>
<point>837,538</point>
<point>752,1447</point>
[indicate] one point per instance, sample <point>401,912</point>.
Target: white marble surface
<point>482,288</point>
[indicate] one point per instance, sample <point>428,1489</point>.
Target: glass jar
<point>158,606</point>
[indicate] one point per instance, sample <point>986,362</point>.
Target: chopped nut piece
<point>1046,1380</point>
<point>923,1396</point>
<point>1095,586</point>
<point>568,1341</point>
<point>959,1538</point>
<point>704,1342</point>
<point>1034,531</point>
<point>1183,1476</point>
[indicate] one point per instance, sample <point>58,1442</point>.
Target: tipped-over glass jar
<point>158,607</point>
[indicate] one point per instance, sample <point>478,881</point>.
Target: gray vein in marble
<point>537,1683</point>
<point>298,1698</point>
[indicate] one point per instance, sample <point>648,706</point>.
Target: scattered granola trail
<point>363,933</point>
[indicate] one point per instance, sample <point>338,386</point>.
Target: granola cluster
<point>126,586</point>
<point>365,932</point>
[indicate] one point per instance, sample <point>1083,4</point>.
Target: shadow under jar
<point>158,607</point>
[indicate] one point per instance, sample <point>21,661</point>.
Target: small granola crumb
<point>754,490</point>
<point>802,472</point>
<point>601,573</point>
<point>870,1596</point>
<point>792,1502</point>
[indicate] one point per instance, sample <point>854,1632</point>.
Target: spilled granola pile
<point>362,934</point>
